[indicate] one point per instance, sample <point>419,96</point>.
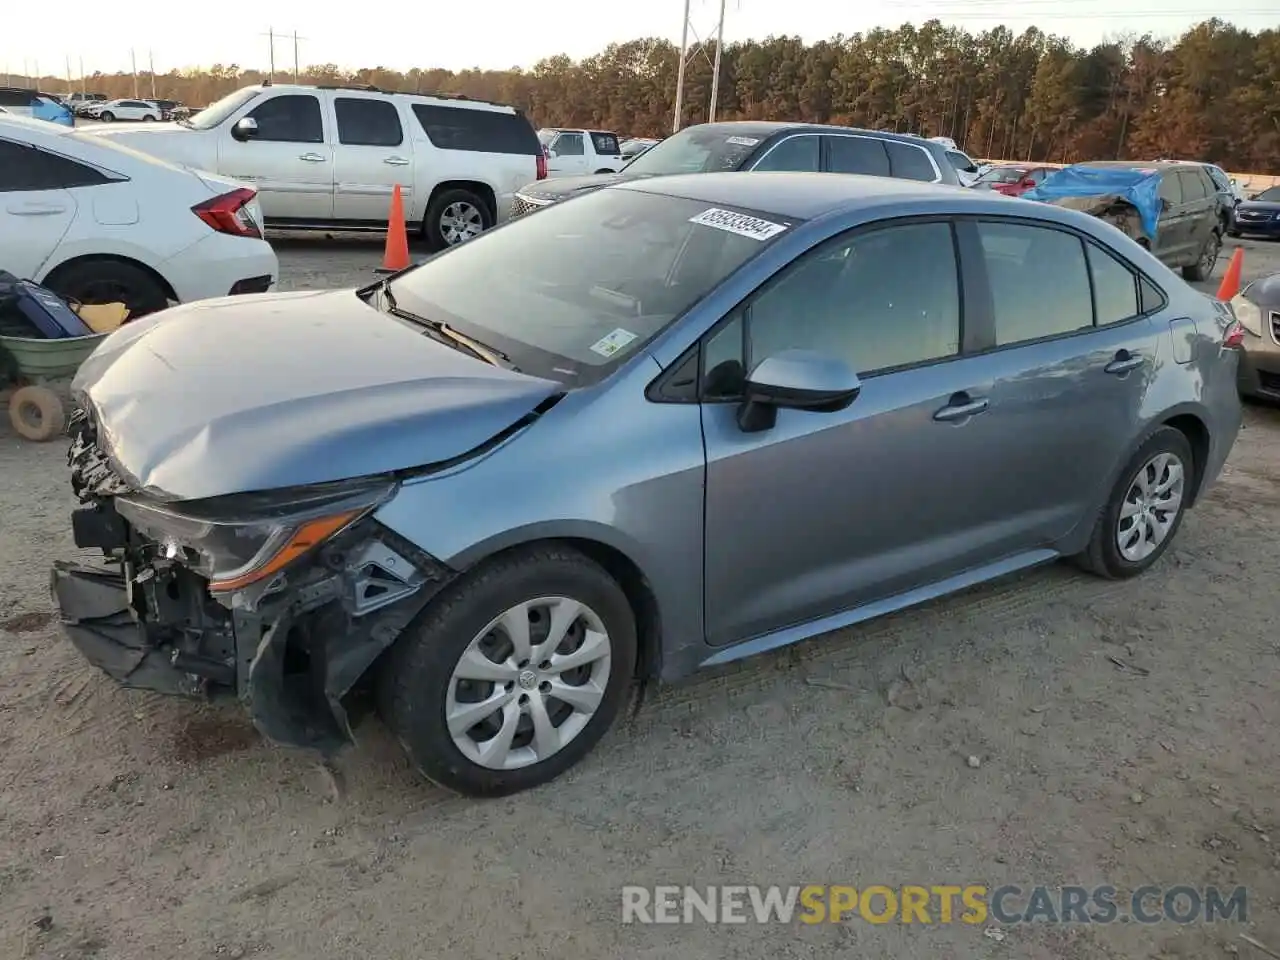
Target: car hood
<point>1258,206</point>
<point>168,141</point>
<point>563,187</point>
<point>251,393</point>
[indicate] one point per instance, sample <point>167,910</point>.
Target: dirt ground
<point>1125,733</point>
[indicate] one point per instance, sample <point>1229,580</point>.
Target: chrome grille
<point>522,205</point>
<point>1274,316</point>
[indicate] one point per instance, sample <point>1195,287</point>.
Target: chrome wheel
<point>529,683</point>
<point>1150,507</point>
<point>460,221</point>
<point>1209,259</point>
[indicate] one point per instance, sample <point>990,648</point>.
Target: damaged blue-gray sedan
<point>656,428</point>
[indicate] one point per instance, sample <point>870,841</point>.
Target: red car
<point>1012,180</point>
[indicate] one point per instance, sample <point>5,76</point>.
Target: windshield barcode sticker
<point>739,223</point>
<point>611,343</point>
<point>743,141</point>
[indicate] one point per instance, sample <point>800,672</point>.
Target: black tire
<point>1202,269</point>
<point>107,281</point>
<point>604,170</point>
<point>1233,234</point>
<point>431,224</point>
<point>1102,557</point>
<point>148,118</point>
<point>413,681</point>
<point>107,116</point>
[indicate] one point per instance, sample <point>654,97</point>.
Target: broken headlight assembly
<point>239,540</point>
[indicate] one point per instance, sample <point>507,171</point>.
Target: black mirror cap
<point>798,380</point>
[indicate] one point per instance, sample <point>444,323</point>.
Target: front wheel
<point>148,118</point>
<point>1145,508</point>
<point>107,116</point>
<point>512,675</point>
<point>454,217</point>
<point>1202,269</point>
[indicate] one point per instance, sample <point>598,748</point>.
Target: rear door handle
<point>35,209</point>
<point>1123,363</point>
<point>312,158</point>
<point>961,407</point>
<point>397,161</point>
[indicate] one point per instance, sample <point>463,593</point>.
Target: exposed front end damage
<point>1114,209</point>
<point>291,645</point>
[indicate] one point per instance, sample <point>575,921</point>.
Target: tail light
<point>542,164</point>
<point>1233,338</point>
<point>230,213</point>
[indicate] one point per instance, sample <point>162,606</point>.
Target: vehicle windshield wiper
<point>445,332</point>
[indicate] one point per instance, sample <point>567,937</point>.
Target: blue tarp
<point>44,108</point>
<point>1138,185</point>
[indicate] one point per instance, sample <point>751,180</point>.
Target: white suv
<point>112,110</point>
<point>328,158</point>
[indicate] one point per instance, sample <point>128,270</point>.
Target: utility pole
<point>151,62</point>
<point>68,76</point>
<point>133,62</point>
<point>687,53</point>
<point>296,38</point>
<point>81,74</point>
<point>271,54</point>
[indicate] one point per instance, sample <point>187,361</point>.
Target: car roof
<point>448,99</point>
<point>804,196</point>
<point>1158,165</point>
<point>767,128</point>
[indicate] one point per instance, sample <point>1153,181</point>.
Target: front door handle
<point>1123,363</point>
<point>312,158</point>
<point>961,407</point>
<point>397,161</point>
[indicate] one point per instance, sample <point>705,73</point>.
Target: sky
<point>498,34</point>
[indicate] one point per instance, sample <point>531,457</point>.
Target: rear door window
<point>363,122</point>
<point>605,143</point>
<point>478,131</point>
<point>857,155</point>
<point>289,118</point>
<point>909,162</point>
<point>1039,281</point>
<point>1169,188</point>
<point>1193,185</point>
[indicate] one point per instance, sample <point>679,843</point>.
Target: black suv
<point>751,145</point>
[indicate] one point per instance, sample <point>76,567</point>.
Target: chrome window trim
<point>937,173</point>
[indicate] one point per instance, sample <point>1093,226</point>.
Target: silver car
<point>671,424</point>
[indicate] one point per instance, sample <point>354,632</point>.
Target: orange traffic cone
<point>1231,279</point>
<point>396,255</point>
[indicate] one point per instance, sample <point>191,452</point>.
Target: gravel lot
<point>1127,733</point>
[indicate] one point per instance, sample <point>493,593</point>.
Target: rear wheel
<point>109,281</point>
<point>454,217</point>
<point>1145,508</point>
<point>1202,269</point>
<point>512,675</point>
<point>148,118</point>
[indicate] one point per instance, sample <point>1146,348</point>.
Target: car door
<point>797,153</point>
<point>36,209</point>
<point>1070,349</point>
<point>1172,242</point>
<point>567,155</point>
<point>1200,205</point>
<point>829,510</point>
<point>371,156</point>
<point>289,158</point>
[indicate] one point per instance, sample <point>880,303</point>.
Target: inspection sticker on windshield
<point>743,141</point>
<point>739,223</point>
<point>611,343</point>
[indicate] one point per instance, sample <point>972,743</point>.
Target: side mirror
<point>246,128</point>
<point>799,380</point>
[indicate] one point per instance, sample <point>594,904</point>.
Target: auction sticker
<point>611,343</point>
<point>739,223</point>
<point>743,141</point>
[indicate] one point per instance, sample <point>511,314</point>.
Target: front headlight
<point>238,540</point>
<point>1248,313</point>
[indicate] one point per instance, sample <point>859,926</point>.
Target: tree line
<point>1213,94</point>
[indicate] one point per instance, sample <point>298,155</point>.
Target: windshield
<point>546,136</point>
<point>577,288</point>
<point>215,113</point>
<point>1003,175</point>
<point>702,149</point>
<point>1271,195</point>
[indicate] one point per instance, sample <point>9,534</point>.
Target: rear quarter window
<point>477,131</point>
<point>909,162</point>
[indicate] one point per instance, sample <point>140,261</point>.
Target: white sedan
<point>142,110</point>
<point>101,223</point>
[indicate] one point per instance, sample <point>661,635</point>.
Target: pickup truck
<point>573,153</point>
<point>329,158</point>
